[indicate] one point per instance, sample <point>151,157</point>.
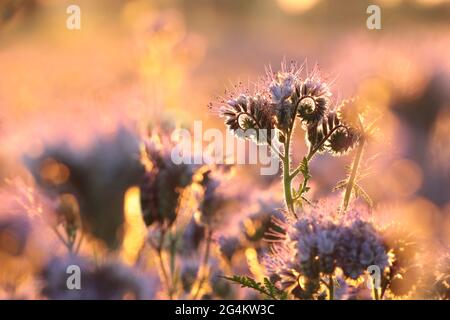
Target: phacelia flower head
<point>250,116</point>
<point>320,241</point>
<point>96,179</point>
<point>313,95</point>
<point>332,134</point>
<point>107,281</point>
<point>162,184</point>
<point>282,84</point>
<point>360,247</point>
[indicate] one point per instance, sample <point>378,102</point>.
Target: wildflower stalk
<point>80,241</point>
<point>353,174</point>
<point>162,265</point>
<point>375,291</point>
<point>331,287</point>
<point>287,180</point>
<point>204,263</point>
<point>71,244</point>
<point>287,176</point>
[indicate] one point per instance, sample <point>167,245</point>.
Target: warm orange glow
<point>135,230</point>
<point>404,177</point>
<point>296,6</point>
<point>253,264</point>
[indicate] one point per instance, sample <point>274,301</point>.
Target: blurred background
<point>137,62</point>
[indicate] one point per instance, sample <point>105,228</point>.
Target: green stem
<point>352,178</point>
<point>287,179</point>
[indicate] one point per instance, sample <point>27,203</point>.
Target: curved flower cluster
<point>337,131</point>
<point>318,243</point>
<point>282,98</point>
<point>162,184</point>
<point>250,117</point>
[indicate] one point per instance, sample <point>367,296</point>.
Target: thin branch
<point>204,264</point>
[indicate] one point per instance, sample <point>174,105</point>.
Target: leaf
<point>268,288</point>
<point>304,168</point>
<point>274,291</point>
<point>306,200</point>
<point>340,185</point>
<point>360,192</point>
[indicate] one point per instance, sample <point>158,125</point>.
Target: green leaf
<point>360,192</point>
<point>268,288</point>
<point>304,168</point>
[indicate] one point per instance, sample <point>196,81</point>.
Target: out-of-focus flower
<point>228,246</point>
<point>108,281</point>
<point>95,180</point>
<point>167,52</point>
<point>404,273</point>
<point>216,203</point>
<point>163,184</point>
<point>360,247</point>
<point>22,248</point>
<point>14,233</point>
<point>193,234</point>
<point>442,283</point>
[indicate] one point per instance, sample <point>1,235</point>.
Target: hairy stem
<point>287,178</point>
<point>352,178</point>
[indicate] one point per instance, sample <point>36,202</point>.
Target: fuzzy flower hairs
<point>269,114</point>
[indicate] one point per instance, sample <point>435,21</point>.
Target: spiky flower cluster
<point>332,133</point>
<point>318,243</point>
<point>442,282</point>
<point>162,184</point>
<point>404,273</point>
<point>282,98</point>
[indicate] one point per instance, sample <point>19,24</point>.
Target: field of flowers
<point>214,149</point>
